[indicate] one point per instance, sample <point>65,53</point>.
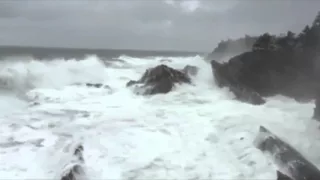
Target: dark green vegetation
<point>287,65</point>
<point>308,38</point>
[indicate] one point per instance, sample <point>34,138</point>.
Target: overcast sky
<point>193,25</point>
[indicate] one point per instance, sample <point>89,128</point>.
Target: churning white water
<point>193,132</point>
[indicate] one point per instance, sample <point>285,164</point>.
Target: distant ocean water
<point>73,53</point>
<point>194,132</point>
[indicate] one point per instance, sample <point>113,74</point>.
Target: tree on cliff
<point>308,41</point>
<point>288,65</point>
<point>302,37</point>
<point>310,36</point>
<point>265,42</point>
<point>287,42</point>
<point>316,22</point>
<point>316,29</point>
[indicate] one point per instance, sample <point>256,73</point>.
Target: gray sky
<point>194,25</point>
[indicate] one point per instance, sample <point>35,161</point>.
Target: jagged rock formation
<point>160,79</point>
<point>285,157</point>
<point>94,85</point>
<point>285,65</point>
<point>226,77</point>
<point>75,170</point>
<point>281,176</point>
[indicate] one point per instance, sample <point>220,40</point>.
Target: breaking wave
<point>193,132</point>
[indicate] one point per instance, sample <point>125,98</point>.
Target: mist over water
<point>47,53</point>
<point>194,132</point>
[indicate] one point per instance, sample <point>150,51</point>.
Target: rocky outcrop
<point>94,85</point>
<point>160,79</point>
<point>228,77</point>
<point>276,65</point>
<point>75,170</point>
<point>270,73</point>
<point>281,176</point>
<point>285,157</point>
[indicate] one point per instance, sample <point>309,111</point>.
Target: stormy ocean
<point>194,132</point>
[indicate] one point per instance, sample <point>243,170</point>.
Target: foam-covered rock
<point>159,79</point>
<point>287,159</point>
<point>75,169</point>
<point>94,85</point>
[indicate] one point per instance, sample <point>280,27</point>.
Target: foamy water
<point>194,132</point>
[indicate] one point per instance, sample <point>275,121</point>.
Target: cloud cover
<point>194,25</point>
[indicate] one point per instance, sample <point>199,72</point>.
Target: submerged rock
<point>75,170</point>
<point>94,85</point>
<point>190,70</point>
<point>97,85</point>
<point>165,60</point>
<point>160,79</point>
<point>131,82</point>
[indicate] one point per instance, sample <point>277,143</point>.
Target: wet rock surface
<point>160,79</point>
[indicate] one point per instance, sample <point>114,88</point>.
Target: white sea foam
<point>194,132</point>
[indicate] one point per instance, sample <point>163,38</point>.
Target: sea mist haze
<point>65,101</point>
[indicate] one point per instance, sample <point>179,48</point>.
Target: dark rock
<point>165,60</point>
<point>97,85</point>
<point>73,174</point>
<point>268,73</point>
<point>76,171</point>
<point>285,156</point>
<point>94,85</point>
<point>78,152</point>
<point>34,104</point>
<point>190,70</point>
<point>131,82</point>
<point>160,79</point>
<point>276,65</point>
<point>36,142</point>
<point>281,176</point>
<point>227,77</point>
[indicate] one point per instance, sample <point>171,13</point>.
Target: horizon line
<point>96,49</point>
